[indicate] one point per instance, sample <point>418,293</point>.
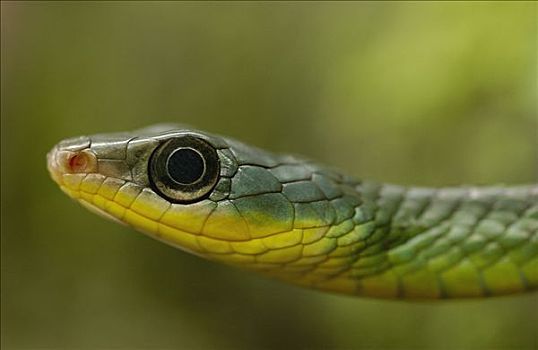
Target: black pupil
<point>185,166</point>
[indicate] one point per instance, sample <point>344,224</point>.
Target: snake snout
<point>61,161</point>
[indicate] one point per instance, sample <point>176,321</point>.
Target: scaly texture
<point>308,224</point>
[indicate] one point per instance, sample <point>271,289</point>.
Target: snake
<point>302,222</point>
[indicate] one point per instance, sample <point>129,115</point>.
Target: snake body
<point>302,222</point>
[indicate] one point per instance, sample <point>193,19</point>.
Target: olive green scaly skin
<point>305,223</point>
<point>452,241</point>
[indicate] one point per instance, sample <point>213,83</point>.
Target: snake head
<point>207,194</point>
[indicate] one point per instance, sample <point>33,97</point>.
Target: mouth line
<point>99,211</point>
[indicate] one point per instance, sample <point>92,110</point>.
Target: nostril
<point>78,162</point>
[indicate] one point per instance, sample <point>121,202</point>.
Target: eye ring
<point>184,169</point>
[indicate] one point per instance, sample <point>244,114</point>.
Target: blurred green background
<point>414,93</point>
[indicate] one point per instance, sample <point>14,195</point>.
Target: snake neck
<point>436,243</point>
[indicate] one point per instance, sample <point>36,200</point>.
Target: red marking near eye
<point>78,163</point>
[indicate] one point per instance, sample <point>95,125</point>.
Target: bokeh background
<point>414,93</point>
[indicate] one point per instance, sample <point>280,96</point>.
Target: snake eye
<point>184,169</point>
